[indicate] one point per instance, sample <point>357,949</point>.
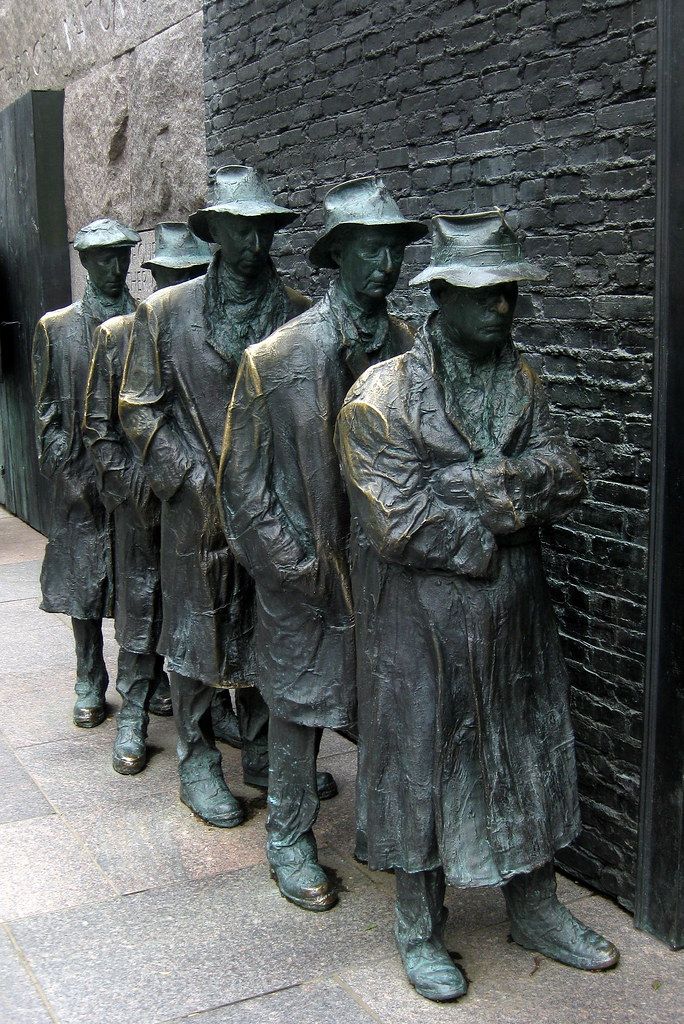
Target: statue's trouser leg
<point>160,701</point>
<point>293,804</point>
<point>203,787</point>
<point>540,922</point>
<point>419,908</point>
<point>420,917</point>
<point>135,681</point>
<point>252,714</point>
<point>292,795</point>
<point>224,720</point>
<point>91,673</point>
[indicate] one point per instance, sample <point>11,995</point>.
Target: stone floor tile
<point>44,867</point>
<point>4,514</point>
<point>156,841</point>
<point>18,542</point>
<point>509,985</point>
<point>32,640</point>
<point>19,581</point>
<point>37,707</point>
<point>163,954</point>
<point>20,798</point>
<point>20,1002</point>
<point>332,743</point>
<point>322,1002</point>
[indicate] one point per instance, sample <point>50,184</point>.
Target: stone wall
<point>133,117</point>
<point>546,108</point>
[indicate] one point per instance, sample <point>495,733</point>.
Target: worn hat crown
<point>177,247</point>
<point>474,250</point>
<point>363,202</point>
<point>105,233</point>
<point>243,192</point>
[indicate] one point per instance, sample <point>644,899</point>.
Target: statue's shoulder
<point>383,385</point>
<point>117,326</point>
<point>58,319</point>
<point>299,302</point>
<point>176,298</point>
<point>291,343</point>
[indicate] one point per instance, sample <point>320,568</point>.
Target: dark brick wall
<point>547,108</point>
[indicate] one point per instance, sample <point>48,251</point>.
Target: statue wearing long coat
<point>77,573</point>
<point>466,744</point>
<point>286,512</point>
<point>177,384</point>
<point>125,493</point>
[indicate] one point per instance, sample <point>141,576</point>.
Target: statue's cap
<point>473,250</point>
<point>105,233</point>
<point>177,247</point>
<point>243,192</point>
<point>363,202</point>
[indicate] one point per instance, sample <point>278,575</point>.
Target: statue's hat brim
<point>199,221</point>
<point>363,202</point>
<point>176,247</point>
<point>240,191</point>
<point>463,276</point>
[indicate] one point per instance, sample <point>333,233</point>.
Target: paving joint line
<point>26,964</point>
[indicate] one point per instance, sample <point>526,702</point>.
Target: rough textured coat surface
<point>287,514</point>
<point>173,404</point>
<point>466,744</point>
<point>125,493</point>
<point>77,573</point>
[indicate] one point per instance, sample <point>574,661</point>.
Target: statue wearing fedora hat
<point>185,349</point>
<point>467,765</point>
<point>286,513</point>
<point>77,575</point>
<point>141,680</point>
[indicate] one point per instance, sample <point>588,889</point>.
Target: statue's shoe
<point>433,973</point>
<point>227,730</point>
<point>212,801</point>
<point>305,884</point>
<point>90,709</point>
<point>552,930</point>
<point>160,704</point>
<point>325,783</point>
<point>130,750</point>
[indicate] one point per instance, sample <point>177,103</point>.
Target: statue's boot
<point>203,788</point>
<point>540,922</point>
<point>293,805</point>
<point>420,918</point>
<point>135,682</point>
<point>300,877</point>
<point>160,702</point>
<point>224,720</point>
<point>90,708</point>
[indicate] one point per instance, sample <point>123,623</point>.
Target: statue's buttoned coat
<point>173,404</point>
<point>77,573</point>
<point>466,744</point>
<point>287,515</point>
<point>126,494</point>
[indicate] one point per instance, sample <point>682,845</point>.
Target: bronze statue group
<point>339,520</point>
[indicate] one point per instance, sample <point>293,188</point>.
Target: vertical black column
<point>660,875</point>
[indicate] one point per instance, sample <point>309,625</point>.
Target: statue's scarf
<point>237,315</point>
<point>98,307</point>
<point>364,334</point>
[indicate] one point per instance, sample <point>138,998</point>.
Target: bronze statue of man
<point>186,345</point>
<point>77,573</point>
<point>466,754</point>
<point>141,680</point>
<point>286,514</point>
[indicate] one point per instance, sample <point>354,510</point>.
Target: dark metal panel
<point>660,879</point>
<point>34,264</point>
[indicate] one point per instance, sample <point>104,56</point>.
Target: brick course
<point>545,107</point>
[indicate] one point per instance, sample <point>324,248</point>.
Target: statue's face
<point>107,268</point>
<point>369,261</point>
<point>245,242</point>
<point>164,277</point>
<point>479,320</point>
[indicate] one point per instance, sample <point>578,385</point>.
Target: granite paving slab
<point>18,542</point>
<point>20,1002</point>
<point>19,581</point>
<point>322,1002</point>
<point>163,954</point>
<point>44,867</point>
<point>20,798</point>
<point>37,708</point>
<point>32,640</point>
<point>509,985</point>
